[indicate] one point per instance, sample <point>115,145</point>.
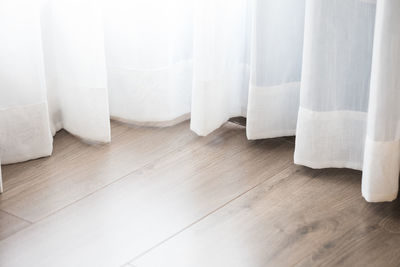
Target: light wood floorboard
<point>166,197</point>
<point>151,204</point>
<point>37,188</point>
<point>300,217</point>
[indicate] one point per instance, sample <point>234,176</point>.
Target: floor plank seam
<point>162,157</point>
<point>98,190</point>
<point>16,216</point>
<point>113,182</point>
<point>203,217</point>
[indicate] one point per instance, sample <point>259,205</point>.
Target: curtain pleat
<point>337,55</point>
<point>382,148</point>
<point>276,57</point>
<point>75,67</point>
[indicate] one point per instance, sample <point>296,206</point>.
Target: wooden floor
<point>166,197</point>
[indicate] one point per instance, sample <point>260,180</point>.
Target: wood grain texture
<point>37,188</point>
<point>133,214</point>
<point>300,217</point>
<point>166,197</point>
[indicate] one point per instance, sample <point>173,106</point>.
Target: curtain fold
<point>220,63</point>
<point>149,59</point>
<point>326,71</point>
<point>75,68</point>
<point>276,57</point>
<point>338,40</point>
<point>24,119</point>
<point>382,149</point>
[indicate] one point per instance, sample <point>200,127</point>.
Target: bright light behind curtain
<point>148,47</point>
<point>326,71</point>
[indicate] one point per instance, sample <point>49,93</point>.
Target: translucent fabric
<point>349,112</point>
<point>326,71</point>
<point>148,46</point>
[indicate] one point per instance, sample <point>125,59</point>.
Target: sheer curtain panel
<point>326,71</point>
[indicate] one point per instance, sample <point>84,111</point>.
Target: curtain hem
<point>381,170</point>
<point>338,134</point>
<point>167,123</point>
<point>26,133</point>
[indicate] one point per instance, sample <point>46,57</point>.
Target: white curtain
<point>327,71</point>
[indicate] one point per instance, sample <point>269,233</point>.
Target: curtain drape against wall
<point>327,71</point>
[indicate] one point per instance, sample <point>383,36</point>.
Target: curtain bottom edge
<point>328,164</point>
